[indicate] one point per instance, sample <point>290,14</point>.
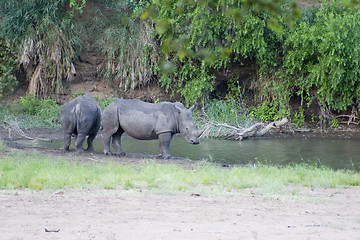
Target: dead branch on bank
<point>16,132</point>
<point>351,119</point>
<point>239,133</point>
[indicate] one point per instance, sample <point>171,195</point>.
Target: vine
<point>78,5</point>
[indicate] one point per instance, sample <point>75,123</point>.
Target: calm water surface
<point>333,153</point>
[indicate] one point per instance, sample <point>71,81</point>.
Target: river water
<point>333,153</point>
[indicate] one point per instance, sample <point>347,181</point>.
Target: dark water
<point>332,153</point>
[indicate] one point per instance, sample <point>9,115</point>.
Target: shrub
<point>42,35</point>
<point>7,66</point>
<point>230,111</point>
<point>45,109</point>
<point>299,117</point>
<point>131,55</point>
<point>196,43</point>
<point>321,56</point>
<point>269,111</point>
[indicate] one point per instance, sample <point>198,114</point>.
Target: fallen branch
<point>251,131</point>
<point>352,119</point>
<point>15,131</point>
<point>272,125</point>
<point>238,133</point>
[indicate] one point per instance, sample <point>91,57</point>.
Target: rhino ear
<point>193,108</point>
<point>178,109</point>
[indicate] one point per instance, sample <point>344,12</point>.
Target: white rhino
<point>81,117</point>
<point>147,121</point>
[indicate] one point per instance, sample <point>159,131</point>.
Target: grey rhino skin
<point>146,121</point>
<point>81,117</point>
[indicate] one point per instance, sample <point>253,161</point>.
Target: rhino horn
<point>201,132</point>
<point>193,108</point>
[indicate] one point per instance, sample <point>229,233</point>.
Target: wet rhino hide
<point>81,117</point>
<point>146,121</point>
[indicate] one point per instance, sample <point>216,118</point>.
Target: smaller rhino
<point>81,117</point>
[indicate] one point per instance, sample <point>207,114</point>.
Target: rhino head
<point>186,125</point>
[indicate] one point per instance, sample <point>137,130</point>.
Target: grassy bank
<point>38,172</point>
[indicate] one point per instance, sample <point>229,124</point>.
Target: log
<point>251,131</point>
<point>272,125</point>
<point>239,133</point>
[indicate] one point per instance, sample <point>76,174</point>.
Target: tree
<point>41,34</point>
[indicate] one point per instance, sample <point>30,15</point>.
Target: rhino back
<point>88,116</point>
<point>143,120</point>
<point>82,114</point>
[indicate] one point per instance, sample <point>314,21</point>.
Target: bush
<point>42,36</point>
<point>321,57</point>
<point>104,102</point>
<point>230,111</point>
<point>130,51</point>
<point>269,111</point>
<point>46,111</point>
<point>44,108</point>
<point>7,66</point>
<point>299,117</point>
<point>196,43</point>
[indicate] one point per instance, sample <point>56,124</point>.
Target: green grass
<point>38,172</point>
<point>230,111</point>
<point>31,112</point>
<point>2,146</point>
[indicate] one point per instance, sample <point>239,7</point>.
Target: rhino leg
<point>67,141</point>
<point>164,145</point>
<point>116,142</point>
<point>90,141</point>
<point>79,142</point>
<point>106,142</point>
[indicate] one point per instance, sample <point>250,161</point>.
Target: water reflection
<point>333,153</point>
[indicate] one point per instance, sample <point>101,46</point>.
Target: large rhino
<point>81,117</point>
<point>147,121</point>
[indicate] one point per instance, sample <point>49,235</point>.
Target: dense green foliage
<point>130,51</point>
<point>321,57</point>
<point>190,47</point>
<point>211,40</point>
<point>39,172</point>
<point>314,57</point>
<point>229,111</point>
<point>42,35</point>
<point>44,108</point>
<point>31,112</point>
<point>7,67</point>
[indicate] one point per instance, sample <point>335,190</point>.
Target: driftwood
<point>16,132</point>
<point>239,133</point>
<point>352,119</point>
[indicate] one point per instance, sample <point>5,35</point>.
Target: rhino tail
<point>118,113</point>
<point>77,116</point>
<point>99,121</point>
